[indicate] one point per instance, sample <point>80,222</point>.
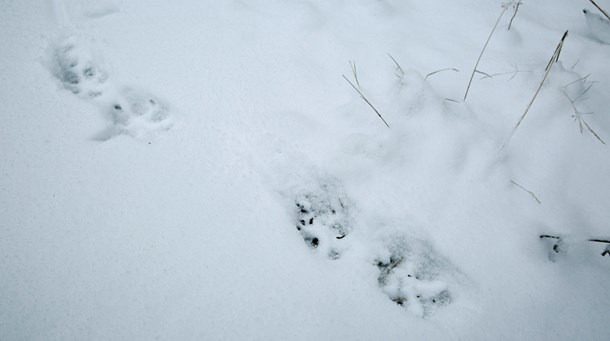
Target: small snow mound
<point>102,10</point>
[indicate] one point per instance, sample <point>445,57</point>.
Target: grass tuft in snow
<point>441,70</point>
<point>578,114</point>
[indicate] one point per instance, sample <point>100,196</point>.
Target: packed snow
<point>298,170</point>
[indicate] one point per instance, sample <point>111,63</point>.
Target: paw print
<point>77,70</point>
<point>322,217</point>
<point>136,113</point>
<point>131,111</point>
<point>411,278</point>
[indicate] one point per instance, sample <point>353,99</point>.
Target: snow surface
<point>599,26</point>
<point>158,157</point>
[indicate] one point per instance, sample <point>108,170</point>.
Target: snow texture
<point>201,170</point>
<point>599,26</point>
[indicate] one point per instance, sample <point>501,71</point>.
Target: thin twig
<point>579,97</point>
<point>366,100</point>
<point>354,71</point>
<point>398,67</point>
<point>549,66</point>
<point>600,241</point>
<point>485,74</point>
<point>483,50</point>
<point>516,7</point>
<point>527,190</point>
<point>581,79</point>
<point>592,131</point>
<point>593,240</point>
<point>513,73</point>
<point>578,116</point>
<point>441,70</point>
<point>600,9</point>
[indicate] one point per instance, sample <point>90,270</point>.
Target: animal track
<point>76,68</point>
<point>411,273</point>
<point>322,217</point>
<point>411,276</point>
<point>131,111</point>
<point>135,112</point>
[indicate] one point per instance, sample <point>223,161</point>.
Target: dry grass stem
<point>513,73</point>
<point>400,73</point>
<point>516,9</point>
<point>354,71</point>
<point>581,79</point>
<point>549,66</point>
<point>483,50</point>
<point>527,190</point>
<point>600,9</point>
<point>366,100</point>
<point>578,115</point>
<point>441,70</point>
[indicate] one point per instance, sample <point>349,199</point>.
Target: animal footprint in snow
<point>77,69</point>
<point>138,113</point>
<point>322,217</point>
<point>411,277</point>
<point>132,112</point>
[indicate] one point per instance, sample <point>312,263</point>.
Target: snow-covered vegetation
<point>297,170</point>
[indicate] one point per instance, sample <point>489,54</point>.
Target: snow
<point>158,157</point>
<point>599,26</point>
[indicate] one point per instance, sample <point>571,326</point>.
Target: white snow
<point>599,26</point>
<point>158,156</point>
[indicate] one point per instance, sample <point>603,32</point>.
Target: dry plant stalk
<point>400,73</point>
<point>474,70</point>
<point>600,9</point>
<point>549,66</point>
<point>512,73</point>
<point>516,9</point>
<point>354,71</point>
<point>527,190</point>
<point>578,115</point>
<point>515,5</point>
<point>441,70</point>
<point>366,100</point>
<point>559,240</point>
<point>581,121</point>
